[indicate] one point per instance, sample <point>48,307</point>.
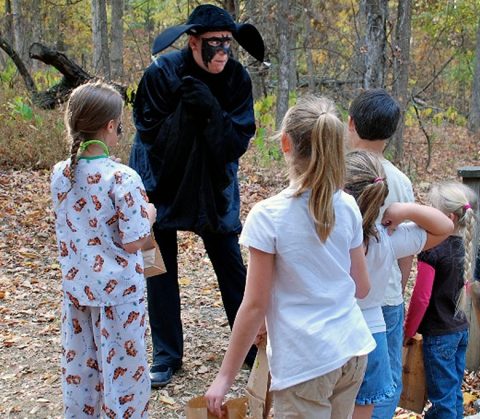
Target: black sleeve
<point>155,104</point>
<point>228,132</point>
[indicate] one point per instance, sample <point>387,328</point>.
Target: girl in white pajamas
<point>103,218</point>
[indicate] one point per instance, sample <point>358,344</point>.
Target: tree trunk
<point>283,61</point>
<point>37,28</point>
<point>401,61</point>
<point>19,32</point>
<point>357,71</point>
<point>293,18</point>
<point>307,47</point>
<point>101,56</point>
<point>231,7</point>
<point>116,53</point>
<point>8,34</point>
<point>474,115</point>
<point>375,41</point>
<point>255,69</point>
<point>59,16</point>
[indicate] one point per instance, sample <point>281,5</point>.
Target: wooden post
<point>471,177</point>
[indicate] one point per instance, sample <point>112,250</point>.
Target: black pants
<point>164,297</point>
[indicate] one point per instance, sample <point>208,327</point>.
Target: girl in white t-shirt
<point>365,180</point>
<point>102,219</point>
<point>306,266</point>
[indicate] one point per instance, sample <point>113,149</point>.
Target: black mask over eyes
<point>213,45</point>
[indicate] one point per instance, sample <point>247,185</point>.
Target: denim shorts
<point>378,383</point>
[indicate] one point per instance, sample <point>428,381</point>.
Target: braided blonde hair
<point>318,156</point>
<point>458,199</point>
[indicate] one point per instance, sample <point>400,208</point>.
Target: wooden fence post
<point>471,177</point>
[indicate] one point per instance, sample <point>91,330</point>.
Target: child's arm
<point>249,318</point>
<point>405,265</point>
<point>437,225</point>
<point>420,298</point>
<point>133,247</point>
<point>358,271</point>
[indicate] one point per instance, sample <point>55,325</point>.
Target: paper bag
<point>414,394</point>
<point>235,409</point>
<point>258,385</point>
<point>152,258</point>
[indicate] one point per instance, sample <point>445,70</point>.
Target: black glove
<point>196,94</point>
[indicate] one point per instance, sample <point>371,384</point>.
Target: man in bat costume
<point>193,113</point>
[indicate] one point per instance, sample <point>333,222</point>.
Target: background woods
<point>423,52</point>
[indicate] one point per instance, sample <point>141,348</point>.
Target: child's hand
<point>393,216</point>
<point>215,395</point>
<point>115,159</point>
<point>261,338</point>
<point>152,213</point>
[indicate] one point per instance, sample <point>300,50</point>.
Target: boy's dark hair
<point>375,114</point>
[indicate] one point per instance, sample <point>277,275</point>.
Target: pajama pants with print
<point>104,361</point>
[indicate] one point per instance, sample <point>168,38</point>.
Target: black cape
<point>187,162</point>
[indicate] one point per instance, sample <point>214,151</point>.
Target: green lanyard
<point>85,145</point>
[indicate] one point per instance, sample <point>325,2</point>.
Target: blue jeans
<point>393,316</point>
<point>444,359</point>
<point>377,382</point>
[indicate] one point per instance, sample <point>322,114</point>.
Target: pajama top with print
<point>105,209</point>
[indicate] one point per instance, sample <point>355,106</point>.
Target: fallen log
<point>73,75</point>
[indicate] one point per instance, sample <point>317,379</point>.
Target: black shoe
<point>161,377</point>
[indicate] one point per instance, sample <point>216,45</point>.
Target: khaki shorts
<point>330,396</point>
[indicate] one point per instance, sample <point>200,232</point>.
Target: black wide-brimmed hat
<point>210,18</point>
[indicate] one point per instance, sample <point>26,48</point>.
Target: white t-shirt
<point>399,190</point>
<point>314,323</point>
<point>407,240</point>
<point>105,209</point>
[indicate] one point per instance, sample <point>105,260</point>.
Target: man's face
<point>211,50</point>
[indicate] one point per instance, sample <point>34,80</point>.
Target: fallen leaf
<point>166,399</point>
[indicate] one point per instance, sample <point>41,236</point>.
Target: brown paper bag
<point>197,409</point>
<point>258,385</point>
<point>414,394</point>
<point>152,258</point>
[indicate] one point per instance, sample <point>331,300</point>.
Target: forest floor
<point>30,285</point>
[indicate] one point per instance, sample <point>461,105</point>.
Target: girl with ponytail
<point>383,245</point>
<point>306,266</point>
<point>438,299</point>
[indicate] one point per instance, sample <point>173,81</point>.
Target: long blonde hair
<point>89,109</point>
<point>318,158</point>
<point>366,182</point>
<point>458,199</point>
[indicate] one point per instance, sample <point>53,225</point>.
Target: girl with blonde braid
<point>102,219</point>
<point>436,306</point>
